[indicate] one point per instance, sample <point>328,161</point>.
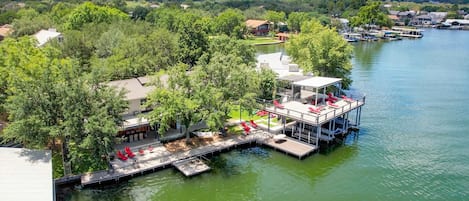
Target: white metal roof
<point>43,36</point>
<point>26,175</point>
<point>318,82</point>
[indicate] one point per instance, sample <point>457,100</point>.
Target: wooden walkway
<point>161,158</point>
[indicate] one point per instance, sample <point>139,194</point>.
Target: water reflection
<point>267,49</point>
<point>365,53</point>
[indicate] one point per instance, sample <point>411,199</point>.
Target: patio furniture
<point>253,124</point>
<point>279,137</point>
<point>331,97</point>
<point>141,152</point>
<point>150,148</point>
<point>278,105</point>
<point>331,104</point>
<point>121,156</point>
<point>316,110</point>
<point>347,99</point>
<point>129,152</point>
<point>261,113</point>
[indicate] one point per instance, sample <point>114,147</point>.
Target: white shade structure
<point>318,82</point>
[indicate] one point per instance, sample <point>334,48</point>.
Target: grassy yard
<point>246,116</point>
<point>261,40</point>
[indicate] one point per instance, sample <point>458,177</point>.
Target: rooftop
<point>255,23</point>
<point>26,175</point>
<point>279,63</point>
<point>136,88</point>
<point>318,82</point>
<point>44,36</point>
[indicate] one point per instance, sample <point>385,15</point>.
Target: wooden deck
<point>161,158</point>
<point>191,167</point>
<point>300,112</point>
<point>291,146</point>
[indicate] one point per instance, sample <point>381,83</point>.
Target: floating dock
<point>191,166</point>
<point>292,147</point>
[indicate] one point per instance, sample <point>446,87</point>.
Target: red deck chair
<point>141,151</point>
<point>330,97</point>
<point>150,148</point>
<point>247,130</point>
<point>129,152</point>
<point>253,124</point>
<point>331,104</point>
<point>261,113</point>
<point>121,156</point>
<point>278,105</point>
<point>314,110</point>
<point>347,99</point>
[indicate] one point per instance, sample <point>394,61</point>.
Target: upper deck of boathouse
<point>310,92</point>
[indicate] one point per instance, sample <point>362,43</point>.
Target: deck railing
<point>316,119</point>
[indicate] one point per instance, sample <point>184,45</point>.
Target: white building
<point>44,36</point>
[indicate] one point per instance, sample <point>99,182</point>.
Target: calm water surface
<point>413,144</point>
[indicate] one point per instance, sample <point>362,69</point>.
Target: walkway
<point>161,158</point>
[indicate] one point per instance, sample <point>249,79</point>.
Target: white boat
<point>410,33</point>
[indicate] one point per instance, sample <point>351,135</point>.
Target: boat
<point>408,32</point>
<point>352,37</point>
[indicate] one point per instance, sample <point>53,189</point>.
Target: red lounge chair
<point>315,110</point>
<point>261,113</point>
<point>347,99</point>
<point>141,151</point>
<point>330,97</point>
<point>121,156</point>
<point>278,105</point>
<point>253,124</point>
<point>331,104</point>
<point>246,130</point>
<point>150,149</point>
<point>129,152</point>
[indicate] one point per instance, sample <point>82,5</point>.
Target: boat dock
<point>291,147</point>
<point>186,162</point>
<point>191,166</point>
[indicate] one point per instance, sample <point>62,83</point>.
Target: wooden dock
<point>161,158</point>
<point>291,146</point>
<point>191,166</point>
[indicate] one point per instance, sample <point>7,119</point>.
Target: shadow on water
<point>366,52</point>
<point>221,165</point>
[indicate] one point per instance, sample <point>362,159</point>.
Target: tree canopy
<point>371,14</point>
<point>322,51</point>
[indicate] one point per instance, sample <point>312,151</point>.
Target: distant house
<point>5,30</point>
<point>44,36</point>
<point>394,18</point>
<point>422,20</point>
<point>438,17</point>
<point>258,27</point>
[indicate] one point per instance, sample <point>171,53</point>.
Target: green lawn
<point>246,116</point>
<point>261,40</point>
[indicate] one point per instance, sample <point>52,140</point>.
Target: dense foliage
<point>321,51</point>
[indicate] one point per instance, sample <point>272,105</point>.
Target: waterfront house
<point>258,27</point>
<point>438,17</point>
<point>422,20</point>
<point>134,127</point>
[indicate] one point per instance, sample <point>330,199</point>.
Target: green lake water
<point>413,143</point>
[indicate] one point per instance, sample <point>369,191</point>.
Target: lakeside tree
<point>275,17</point>
<point>295,20</point>
<point>371,14</point>
<point>322,51</point>
<point>50,103</point>
<point>230,22</point>
<point>176,100</point>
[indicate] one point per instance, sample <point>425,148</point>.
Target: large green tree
<point>371,14</point>
<point>295,20</point>
<point>175,100</point>
<point>275,17</point>
<point>231,23</point>
<point>89,12</point>
<point>322,51</point>
<point>50,102</point>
